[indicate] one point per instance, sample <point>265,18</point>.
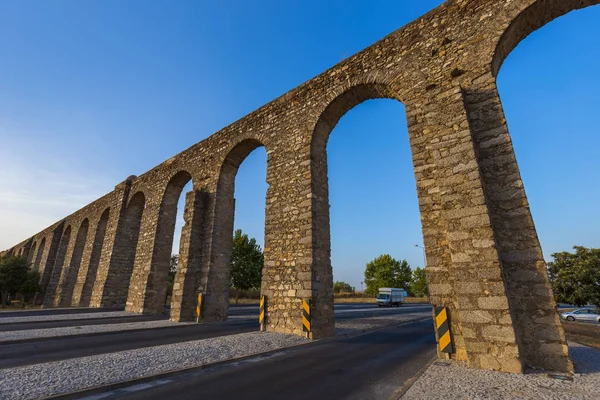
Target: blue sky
<point>92,92</point>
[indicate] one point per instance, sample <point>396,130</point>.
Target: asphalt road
<point>370,366</point>
<point>343,311</point>
<point>21,326</point>
<point>61,348</point>
<point>56,311</point>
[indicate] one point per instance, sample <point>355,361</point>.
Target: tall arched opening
<point>216,283</point>
<point>150,291</point>
<point>69,275</point>
<point>40,253</point>
<point>555,125</point>
<point>51,298</point>
<point>31,255</point>
<point>126,243</point>
<point>90,276</point>
<point>179,246</point>
<point>365,189</point>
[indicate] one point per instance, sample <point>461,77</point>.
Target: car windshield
<point>382,296</point>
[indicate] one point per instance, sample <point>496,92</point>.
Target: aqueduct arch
<point>485,261</point>
<point>346,99</point>
<point>39,254</point>
<point>82,292</point>
<point>68,277</point>
<point>51,299</point>
<point>148,292</point>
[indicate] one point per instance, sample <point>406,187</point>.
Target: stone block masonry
<point>485,263</point>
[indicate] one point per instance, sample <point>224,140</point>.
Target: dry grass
<point>18,306</point>
<point>371,299</point>
<point>243,301</point>
<point>584,333</point>
<point>339,300</point>
<point>354,300</point>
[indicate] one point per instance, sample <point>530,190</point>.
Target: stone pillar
<point>52,290</point>
<point>39,254</point>
<point>62,288</point>
<point>84,267</point>
<point>91,260</point>
<point>440,276</point>
<point>210,249</point>
<point>31,255</point>
<point>110,286</point>
<point>49,256</point>
<point>297,262</point>
<point>464,267</point>
<point>539,331</point>
<point>191,252</point>
<point>27,249</point>
<point>152,255</point>
<point>72,265</point>
<point>215,272</point>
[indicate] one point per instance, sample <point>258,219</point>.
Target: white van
<point>388,297</point>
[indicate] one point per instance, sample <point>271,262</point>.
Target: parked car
<point>582,314</point>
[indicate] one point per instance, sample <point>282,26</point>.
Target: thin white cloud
<point>32,197</point>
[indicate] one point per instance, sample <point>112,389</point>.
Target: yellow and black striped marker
<point>261,316</point>
<point>443,330</point>
<point>306,316</point>
<point>199,308</point>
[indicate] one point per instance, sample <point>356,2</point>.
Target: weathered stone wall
<point>86,277</point>
<point>69,255</point>
<point>484,258</point>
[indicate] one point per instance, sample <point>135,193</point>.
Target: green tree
<point>172,271</point>
<point>575,276</point>
<point>13,273</point>
<point>246,263</point>
<point>173,265</point>
<point>385,271</point>
<point>418,283</point>
<point>339,287</point>
<point>31,286</point>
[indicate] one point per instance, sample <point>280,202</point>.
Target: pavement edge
<point>409,383</point>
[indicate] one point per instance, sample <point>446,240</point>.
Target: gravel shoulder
<point>456,381</point>
<point>84,330</point>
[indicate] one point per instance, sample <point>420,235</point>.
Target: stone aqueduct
<point>485,260</point>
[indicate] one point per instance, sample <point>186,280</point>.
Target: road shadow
<point>585,359</point>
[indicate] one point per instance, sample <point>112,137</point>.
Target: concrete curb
<point>136,381</point>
